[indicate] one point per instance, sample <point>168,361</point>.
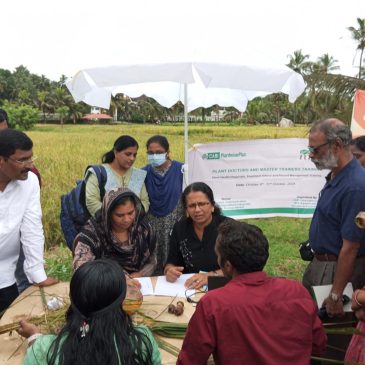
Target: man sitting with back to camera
<point>254,319</point>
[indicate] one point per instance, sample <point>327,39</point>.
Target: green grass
<point>59,262</point>
<point>64,152</point>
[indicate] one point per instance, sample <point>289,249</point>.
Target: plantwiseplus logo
<point>223,155</point>
<point>304,154</point>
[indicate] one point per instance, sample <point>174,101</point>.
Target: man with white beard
<point>338,244</point>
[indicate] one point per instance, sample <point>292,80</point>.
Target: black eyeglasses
<point>316,149</point>
<point>188,296</point>
<point>201,205</point>
<point>25,162</point>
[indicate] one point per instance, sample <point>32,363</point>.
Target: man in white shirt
<point>22,281</point>
<point>20,215</point>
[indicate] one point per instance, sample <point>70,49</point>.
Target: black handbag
<point>305,250</point>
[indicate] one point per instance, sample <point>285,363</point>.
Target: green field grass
<point>64,152</point>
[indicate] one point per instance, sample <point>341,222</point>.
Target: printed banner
<point>259,178</point>
<point>358,114</point>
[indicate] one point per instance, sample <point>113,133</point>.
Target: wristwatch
<point>334,297</point>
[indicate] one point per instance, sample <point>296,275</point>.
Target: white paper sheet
<point>146,285</point>
<point>163,287</point>
<point>321,292</point>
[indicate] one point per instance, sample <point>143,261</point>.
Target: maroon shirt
<point>254,320</point>
<point>35,170</point>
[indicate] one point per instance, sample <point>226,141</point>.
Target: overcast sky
<point>54,37</point>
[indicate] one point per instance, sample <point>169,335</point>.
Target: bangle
<point>32,338</point>
<point>355,298</point>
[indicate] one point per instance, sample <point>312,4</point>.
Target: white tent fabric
<point>195,84</point>
<point>208,83</point>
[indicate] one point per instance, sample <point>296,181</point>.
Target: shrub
<point>21,116</point>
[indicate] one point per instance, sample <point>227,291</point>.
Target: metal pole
<point>186,122</point>
<point>186,135</point>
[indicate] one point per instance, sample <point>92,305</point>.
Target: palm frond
<point>341,85</point>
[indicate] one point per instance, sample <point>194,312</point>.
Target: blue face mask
<point>157,159</point>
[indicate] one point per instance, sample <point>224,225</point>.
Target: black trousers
<point>7,295</point>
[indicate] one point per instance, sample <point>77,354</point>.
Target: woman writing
<point>193,237</point>
<point>120,232</point>
<point>97,330</point>
<point>164,182</point>
<point>118,164</point>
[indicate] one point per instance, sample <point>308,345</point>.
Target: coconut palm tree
<point>42,102</point>
<point>62,112</point>
<point>326,63</point>
<point>358,35</point>
<point>338,84</point>
<point>298,62</point>
<point>114,105</point>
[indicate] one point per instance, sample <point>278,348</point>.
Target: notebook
<point>215,282</point>
<point>321,292</point>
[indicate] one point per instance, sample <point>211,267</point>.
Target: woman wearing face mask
<point>118,164</point>
<point>164,186</point>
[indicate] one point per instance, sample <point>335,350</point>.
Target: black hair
<point>359,143</point>
<point>123,199</point>
<point>12,140</point>
<point>4,116</point>
<point>161,140</point>
<point>205,189</point>
<point>97,290</point>
<point>243,245</point>
<point>122,143</point>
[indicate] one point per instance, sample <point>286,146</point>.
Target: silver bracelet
<point>32,338</point>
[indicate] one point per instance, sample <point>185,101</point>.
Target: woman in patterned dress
<point>118,232</point>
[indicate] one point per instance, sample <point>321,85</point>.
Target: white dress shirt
<point>21,215</point>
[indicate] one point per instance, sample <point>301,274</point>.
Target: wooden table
<point>30,303</point>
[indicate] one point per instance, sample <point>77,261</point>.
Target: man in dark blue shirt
<point>338,244</point>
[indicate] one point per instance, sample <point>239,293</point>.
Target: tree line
<point>29,98</point>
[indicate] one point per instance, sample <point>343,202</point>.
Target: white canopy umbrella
<point>195,84</point>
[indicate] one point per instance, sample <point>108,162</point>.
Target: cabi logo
<point>304,154</point>
<point>211,156</point>
<point>219,155</point>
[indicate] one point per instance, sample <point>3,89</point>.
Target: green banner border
<point>277,210</point>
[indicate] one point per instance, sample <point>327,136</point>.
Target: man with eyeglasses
<point>20,215</point>
<point>338,244</point>
<point>21,279</point>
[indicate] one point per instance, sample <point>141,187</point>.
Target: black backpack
<point>74,213</point>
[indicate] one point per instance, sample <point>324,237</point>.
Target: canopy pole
<point>186,148</point>
<point>186,122</point>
